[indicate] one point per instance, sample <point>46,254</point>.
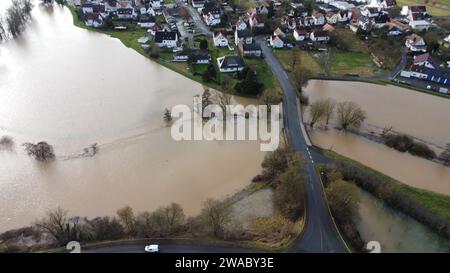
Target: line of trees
<point>15,19</point>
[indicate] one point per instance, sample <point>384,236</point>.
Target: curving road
<point>320,235</point>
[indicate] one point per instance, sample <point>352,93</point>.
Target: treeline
<point>343,199</point>
<point>394,194</point>
<point>15,18</point>
<point>284,170</point>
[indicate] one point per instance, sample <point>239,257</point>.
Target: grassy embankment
<point>130,39</point>
<point>438,204</point>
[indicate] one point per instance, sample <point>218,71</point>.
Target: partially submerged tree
<point>329,105</point>
<point>445,155</point>
<point>316,113</point>
<point>167,116</point>
<point>6,142</point>
<point>216,216</point>
<point>42,151</point>
<point>349,114</point>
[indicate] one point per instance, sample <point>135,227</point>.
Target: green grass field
<point>352,63</point>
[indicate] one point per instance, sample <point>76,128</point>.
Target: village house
<point>257,20</point>
<point>166,39</point>
<point>111,6</point>
<point>211,14</point>
<point>146,21</point>
<point>370,12</point>
<point>388,4</point>
<point>250,50</point>
<point>155,4</point>
<point>342,5</point>
<point>380,21</point>
<point>408,11</point>
<point>230,63</point>
<point>198,4</point>
<point>93,20</point>
<point>319,36</point>
<point>279,32</point>
<point>193,56</point>
<point>220,39</point>
<point>344,16</point>
<point>415,43</point>
<point>433,75</point>
<point>244,36</point>
<point>240,24</point>
<point>419,24</point>
<point>318,18</point>
<point>332,18</point>
<point>276,41</point>
<point>152,30</point>
<point>425,60</point>
<point>300,34</point>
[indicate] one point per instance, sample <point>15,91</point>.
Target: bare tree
<point>127,218</point>
<point>349,114</point>
<point>329,105</point>
<point>445,155</point>
<point>316,112</point>
<point>60,227</point>
<point>269,98</point>
<point>174,216</point>
<point>216,216</point>
<point>206,98</point>
<point>223,100</point>
<point>167,116</point>
<point>294,58</point>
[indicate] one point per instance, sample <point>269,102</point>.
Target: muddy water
<point>395,231</point>
<point>72,88</point>
<point>420,115</point>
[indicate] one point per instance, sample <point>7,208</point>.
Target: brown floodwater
<point>72,88</point>
<point>421,115</point>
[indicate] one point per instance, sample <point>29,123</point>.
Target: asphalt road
<point>400,66</point>
<point>320,234</point>
<point>169,248</point>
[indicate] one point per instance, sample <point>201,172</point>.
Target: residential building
<point>230,63</point>
<point>276,41</point>
<point>387,4</point>
<point>415,43</point>
<point>244,36</point>
<point>319,36</point>
<point>300,34</point>
<point>220,39</point>
<point>250,50</point>
<point>193,56</point>
<point>425,60</point>
<point>211,14</point>
<point>166,38</point>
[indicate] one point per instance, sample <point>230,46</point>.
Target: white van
<point>152,248</point>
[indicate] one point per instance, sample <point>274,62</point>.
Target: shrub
<point>289,196</point>
<point>42,151</point>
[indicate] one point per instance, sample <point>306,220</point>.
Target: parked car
<point>152,248</point>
